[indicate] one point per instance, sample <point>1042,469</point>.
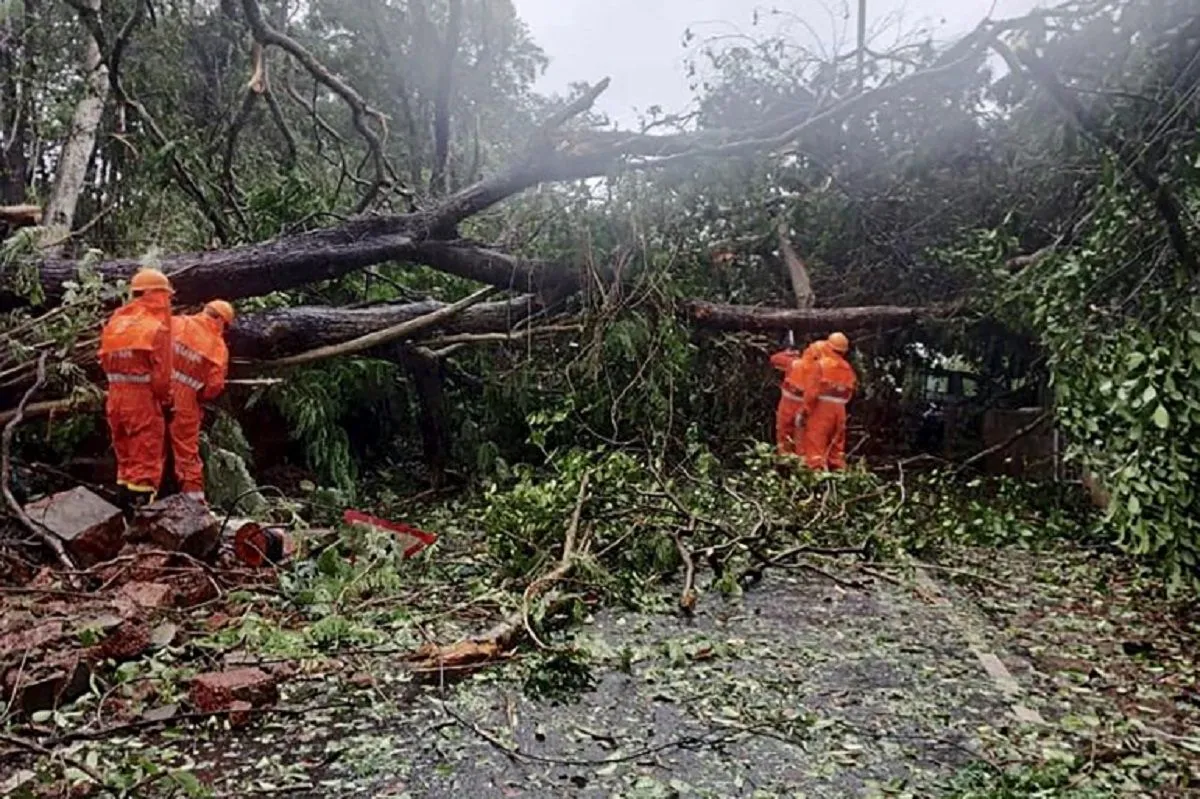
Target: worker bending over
<point>201,362</point>
<point>827,389</point>
<point>135,354</point>
<point>797,368</point>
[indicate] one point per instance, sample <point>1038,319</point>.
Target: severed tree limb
<point>380,337</point>
<point>255,88</point>
<point>720,316</point>
<point>506,634</point>
<point>688,597</point>
<point>6,469</point>
<point>797,270</point>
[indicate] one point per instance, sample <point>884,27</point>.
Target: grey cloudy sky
<point>638,43</point>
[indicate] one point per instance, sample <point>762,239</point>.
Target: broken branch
<point>6,469</point>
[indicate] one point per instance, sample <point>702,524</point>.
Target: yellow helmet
<point>150,280</point>
<point>221,310</point>
<point>839,343</point>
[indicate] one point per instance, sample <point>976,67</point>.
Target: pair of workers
<point>810,420</point>
<point>159,369</point>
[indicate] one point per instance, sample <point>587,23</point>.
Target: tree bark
<point>438,182</point>
<point>293,261</point>
<point>425,370</point>
<point>718,316</point>
<point>77,151</point>
<point>797,270</point>
<point>279,333</point>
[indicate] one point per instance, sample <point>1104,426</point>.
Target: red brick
<point>179,523</point>
<point>192,588</point>
<point>91,529</point>
<point>218,690</point>
<point>240,713</point>
<point>125,642</point>
<point>148,595</point>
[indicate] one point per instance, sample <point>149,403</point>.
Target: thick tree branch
<point>380,337</point>
<point>718,316</point>
<point>286,331</point>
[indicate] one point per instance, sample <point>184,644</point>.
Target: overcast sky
<point>638,43</point>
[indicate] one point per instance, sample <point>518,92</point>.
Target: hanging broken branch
<point>360,111</point>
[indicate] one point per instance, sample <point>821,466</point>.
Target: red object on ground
<point>423,539</point>
<point>222,690</point>
<point>255,545</point>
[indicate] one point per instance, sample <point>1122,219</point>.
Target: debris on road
<point>236,690</point>
<point>410,537</point>
<point>91,529</point>
<point>179,524</point>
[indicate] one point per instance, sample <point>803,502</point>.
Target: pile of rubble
<point>133,581</point>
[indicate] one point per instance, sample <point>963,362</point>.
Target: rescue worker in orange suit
<point>201,363</point>
<point>827,390</point>
<point>135,353</point>
<point>789,413</point>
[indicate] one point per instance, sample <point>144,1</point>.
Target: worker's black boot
<point>129,501</point>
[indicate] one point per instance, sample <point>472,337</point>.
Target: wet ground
<point>800,688</point>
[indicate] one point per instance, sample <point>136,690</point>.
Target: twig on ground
<point>6,469</point>
<point>566,563</point>
<point>73,762</point>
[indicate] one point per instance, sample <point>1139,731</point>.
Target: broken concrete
<point>91,529</point>
<point>148,595</point>
<point>179,524</point>
<point>216,691</point>
<point>46,685</point>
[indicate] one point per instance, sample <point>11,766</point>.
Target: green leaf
<point>1161,418</point>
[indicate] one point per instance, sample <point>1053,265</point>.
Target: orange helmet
<point>221,310</point>
<point>839,342</point>
<point>150,280</point>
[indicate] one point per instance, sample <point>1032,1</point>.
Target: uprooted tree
<point>349,195</point>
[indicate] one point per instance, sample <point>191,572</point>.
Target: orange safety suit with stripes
<point>828,388</point>
<point>201,363</point>
<point>135,354</point>
<point>790,411</point>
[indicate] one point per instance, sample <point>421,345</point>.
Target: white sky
<point>638,43</point>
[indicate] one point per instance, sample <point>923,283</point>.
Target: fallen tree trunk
<point>280,333</point>
<point>293,261</point>
<point>752,318</point>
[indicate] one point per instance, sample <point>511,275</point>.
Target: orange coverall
<point>135,353</point>
<point>201,363</point>
<point>795,367</point>
<point>827,390</point>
